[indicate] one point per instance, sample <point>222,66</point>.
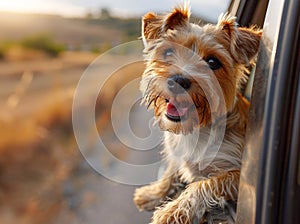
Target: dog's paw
<point>145,198</point>
<point>172,213</point>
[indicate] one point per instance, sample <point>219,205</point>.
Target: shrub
<point>2,53</point>
<point>4,48</point>
<point>43,42</point>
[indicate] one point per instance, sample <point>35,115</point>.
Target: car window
<point>264,186</point>
<point>250,170</point>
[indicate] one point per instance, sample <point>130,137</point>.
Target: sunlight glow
<point>45,6</point>
<point>73,8</point>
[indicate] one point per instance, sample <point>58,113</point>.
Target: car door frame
<point>270,174</point>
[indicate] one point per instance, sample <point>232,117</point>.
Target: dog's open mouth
<point>177,111</point>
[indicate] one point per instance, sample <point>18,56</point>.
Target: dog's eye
<point>168,52</point>
<point>213,63</point>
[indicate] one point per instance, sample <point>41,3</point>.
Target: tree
<point>105,13</point>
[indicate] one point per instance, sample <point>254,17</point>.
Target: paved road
<point>113,201</point>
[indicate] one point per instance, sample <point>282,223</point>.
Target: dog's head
<point>193,73</point>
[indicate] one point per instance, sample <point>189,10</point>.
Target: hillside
<point>75,33</point>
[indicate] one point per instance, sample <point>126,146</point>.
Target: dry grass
<point>18,53</point>
<point>38,152</point>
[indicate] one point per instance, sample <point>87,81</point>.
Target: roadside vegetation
<point>43,42</point>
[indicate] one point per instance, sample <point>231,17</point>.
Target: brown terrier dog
<point>192,80</point>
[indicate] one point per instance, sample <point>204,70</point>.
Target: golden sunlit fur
<point>210,63</point>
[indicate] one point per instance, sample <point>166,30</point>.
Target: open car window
<point>268,186</point>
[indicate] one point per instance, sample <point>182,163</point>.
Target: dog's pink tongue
<point>176,110</point>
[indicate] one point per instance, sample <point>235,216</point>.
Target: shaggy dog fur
<point>192,81</point>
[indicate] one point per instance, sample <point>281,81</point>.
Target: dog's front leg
<point>151,196</point>
<point>198,198</point>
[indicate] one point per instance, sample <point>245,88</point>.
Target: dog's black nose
<point>178,84</point>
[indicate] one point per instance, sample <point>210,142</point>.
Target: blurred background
<point>45,47</point>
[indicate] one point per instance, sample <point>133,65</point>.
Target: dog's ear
<point>178,18</point>
<point>244,42</point>
<point>151,27</point>
<point>154,26</point>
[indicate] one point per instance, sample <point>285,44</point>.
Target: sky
<point>209,9</point>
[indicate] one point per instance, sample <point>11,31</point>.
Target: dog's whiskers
<point>150,102</point>
<point>149,83</point>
